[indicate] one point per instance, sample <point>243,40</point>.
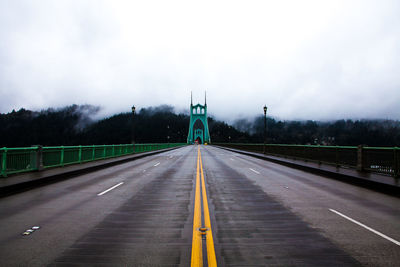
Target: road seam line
<point>109,189</point>
<point>366,227</point>
<point>254,171</point>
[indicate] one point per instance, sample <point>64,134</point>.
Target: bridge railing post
<point>337,156</point>
<point>4,163</point>
<point>360,158</point>
<point>80,154</point>
<point>93,152</point>
<point>62,156</point>
<point>39,158</point>
<point>396,158</point>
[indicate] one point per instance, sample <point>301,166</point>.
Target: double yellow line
<point>201,231</point>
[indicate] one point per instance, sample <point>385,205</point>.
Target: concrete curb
<point>21,182</point>
<point>377,182</point>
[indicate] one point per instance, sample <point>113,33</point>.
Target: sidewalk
<point>17,182</point>
<point>372,180</point>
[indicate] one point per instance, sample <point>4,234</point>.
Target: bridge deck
<point>262,214</point>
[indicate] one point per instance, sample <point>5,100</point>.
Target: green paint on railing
<point>24,159</point>
<point>384,160</point>
<point>3,162</point>
<point>283,145</point>
<point>380,148</point>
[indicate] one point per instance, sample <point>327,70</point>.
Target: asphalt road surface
<point>140,213</point>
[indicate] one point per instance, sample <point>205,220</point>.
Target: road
<point>140,213</point>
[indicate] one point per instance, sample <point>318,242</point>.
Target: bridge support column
<point>198,115</point>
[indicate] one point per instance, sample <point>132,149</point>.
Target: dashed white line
<point>366,227</point>
<point>254,171</point>
<point>171,157</point>
<point>155,165</point>
<point>232,159</point>
<point>109,189</point>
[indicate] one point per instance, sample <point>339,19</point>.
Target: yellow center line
<point>197,254</point>
<point>212,261</point>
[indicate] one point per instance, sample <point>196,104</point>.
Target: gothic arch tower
<point>198,125</point>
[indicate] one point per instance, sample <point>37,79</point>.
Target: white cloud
<point>304,59</point>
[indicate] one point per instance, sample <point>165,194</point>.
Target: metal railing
<point>385,160</point>
<point>25,159</point>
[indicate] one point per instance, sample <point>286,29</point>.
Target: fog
<point>315,60</point>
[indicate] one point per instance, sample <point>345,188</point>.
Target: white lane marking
<point>109,189</point>
<point>155,165</point>
<point>232,159</point>
<point>144,170</point>
<point>171,157</point>
<point>366,227</point>
<point>254,171</point>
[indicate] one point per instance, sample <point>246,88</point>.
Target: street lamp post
<point>133,125</point>
<point>265,126</point>
<point>167,133</point>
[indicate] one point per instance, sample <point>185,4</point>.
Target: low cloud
<point>304,60</point>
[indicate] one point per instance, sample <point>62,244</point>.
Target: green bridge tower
<point>198,126</point>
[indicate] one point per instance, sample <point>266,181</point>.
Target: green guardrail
<point>384,160</point>
<point>25,159</point>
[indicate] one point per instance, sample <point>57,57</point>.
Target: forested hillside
<point>74,125</point>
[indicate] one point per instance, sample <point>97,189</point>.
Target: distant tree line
<point>340,132</point>
<point>74,125</point>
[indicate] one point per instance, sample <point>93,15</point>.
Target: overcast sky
<point>304,59</point>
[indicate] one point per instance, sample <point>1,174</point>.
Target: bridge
<point>195,205</point>
<point>188,204</point>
